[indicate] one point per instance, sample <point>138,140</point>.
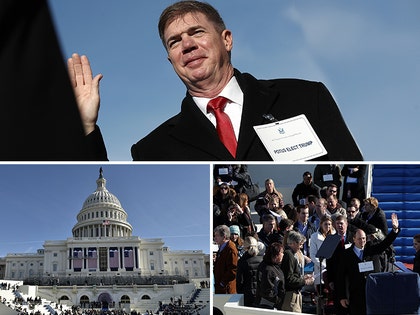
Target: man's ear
<point>228,39</point>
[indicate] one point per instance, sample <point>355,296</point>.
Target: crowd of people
<point>267,264</point>
<point>5,286</point>
<point>26,306</point>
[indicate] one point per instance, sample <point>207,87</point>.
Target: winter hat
<point>234,229</point>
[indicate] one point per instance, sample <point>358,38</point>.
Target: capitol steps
<point>397,188</point>
<point>10,297</point>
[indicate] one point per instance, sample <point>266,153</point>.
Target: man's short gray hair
<point>295,237</point>
<point>222,230</point>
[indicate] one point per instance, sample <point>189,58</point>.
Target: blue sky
<point>41,202</point>
<point>366,52</point>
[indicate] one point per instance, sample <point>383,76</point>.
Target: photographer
<point>240,217</point>
<point>222,201</point>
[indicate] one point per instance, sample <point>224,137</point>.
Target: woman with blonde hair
<point>261,204</point>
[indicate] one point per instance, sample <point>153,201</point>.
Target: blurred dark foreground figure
<point>39,119</point>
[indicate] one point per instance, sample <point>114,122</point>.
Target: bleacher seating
<point>397,188</point>
<point>197,303</point>
<point>16,300</point>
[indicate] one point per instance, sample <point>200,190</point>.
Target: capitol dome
<point>102,215</point>
<point>101,195</point>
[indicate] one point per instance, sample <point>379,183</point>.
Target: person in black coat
<point>223,201</point>
<point>269,233</point>
<point>353,268</point>
<point>246,275</point>
<point>374,215</point>
<point>304,189</point>
<point>325,175</point>
<point>341,226</point>
<point>40,119</point>
<point>282,98</point>
<point>206,70</point>
<point>270,278</point>
<point>416,245</point>
<point>353,182</point>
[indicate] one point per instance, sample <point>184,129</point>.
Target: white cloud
<point>347,32</point>
<point>330,32</point>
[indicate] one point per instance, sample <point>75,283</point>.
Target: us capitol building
<point>103,262</point>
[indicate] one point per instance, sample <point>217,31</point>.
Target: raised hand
<point>86,90</point>
<point>394,220</point>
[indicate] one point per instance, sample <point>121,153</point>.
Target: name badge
<point>292,139</point>
<point>223,171</point>
<point>328,177</point>
<point>351,180</point>
<point>366,266</point>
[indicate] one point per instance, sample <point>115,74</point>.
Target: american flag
<point>77,258</point>
<point>105,222</point>
<point>113,258</point>
<point>128,257</point>
<point>92,258</point>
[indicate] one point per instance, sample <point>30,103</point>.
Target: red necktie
<point>223,124</point>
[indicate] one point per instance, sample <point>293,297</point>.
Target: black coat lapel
<point>259,99</point>
<point>195,130</point>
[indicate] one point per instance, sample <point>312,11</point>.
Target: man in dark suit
<point>333,278</point>
<point>191,136</point>
<point>199,48</point>
<point>358,261</point>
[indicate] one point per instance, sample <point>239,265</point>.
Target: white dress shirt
<point>358,252</point>
<point>233,108</point>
